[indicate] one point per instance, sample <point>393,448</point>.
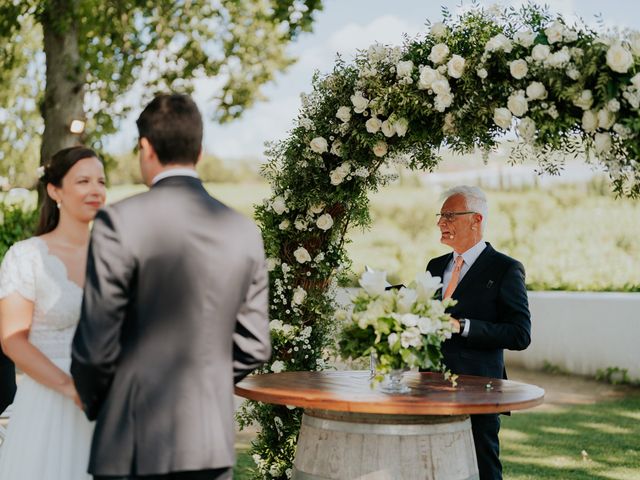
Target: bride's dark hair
<point>54,171</point>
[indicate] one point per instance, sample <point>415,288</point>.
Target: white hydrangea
<point>277,366</point>
<point>404,69</point>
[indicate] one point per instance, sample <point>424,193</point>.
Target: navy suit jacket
<point>493,296</point>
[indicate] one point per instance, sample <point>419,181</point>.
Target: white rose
<point>540,52</point>
<point>517,103</point>
<point>441,86</point>
<point>427,76</point>
<point>438,30</point>
<point>279,205</point>
<point>482,73</point>
<point>411,337</point>
<point>455,66</point>
<point>439,53</point>
<point>635,80</point>
<point>299,295</point>
<point>277,366</point>
<point>613,105</point>
<point>374,283</point>
<point>272,263</point>
<point>373,125</point>
<point>300,224</point>
<point>527,129</point>
<point>319,145</point>
<point>344,114</point>
<point>570,35</point>
<point>606,119</point>
<point>554,32</point>
<point>337,176</point>
<point>443,101</point>
<point>499,42</point>
<point>589,121</point>
<point>603,142</point>
<point>301,254</point>
<point>392,339</point>
<point>380,149</point>
<point>404,69</point>
<point>387,129</point>
<point>619,58</point>
<point>525,38</point>
<point>536,91</point>
<point>360,103</point>
<point>622,131</point>
<point>401,125</point>
<point>518,69</point>
<point>559,58</point>
<point>324,222</point>
<point>336,148</point>
<point>585,100</point>
<point>573,73</point>
<point>502,117</point>
<point>284,224</point>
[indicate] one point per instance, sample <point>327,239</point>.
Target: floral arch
<point>462,85</point>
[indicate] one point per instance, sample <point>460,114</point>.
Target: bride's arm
<point>16,314</point>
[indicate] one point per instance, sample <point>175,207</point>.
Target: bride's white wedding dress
<point>48,436</point>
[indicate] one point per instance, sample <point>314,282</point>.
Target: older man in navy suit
<point>492,309</point>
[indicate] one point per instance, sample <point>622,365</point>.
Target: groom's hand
<point>456,325</point>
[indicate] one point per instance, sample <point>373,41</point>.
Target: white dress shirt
<point>469,257</point>
<point>175,172</point>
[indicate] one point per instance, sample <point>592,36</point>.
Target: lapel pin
<point>490,284</point>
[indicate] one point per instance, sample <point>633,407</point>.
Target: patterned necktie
<point>455,276</point>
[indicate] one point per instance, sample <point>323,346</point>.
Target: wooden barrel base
<point>349,446</point>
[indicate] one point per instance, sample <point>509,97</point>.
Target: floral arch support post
<point>463,85</point>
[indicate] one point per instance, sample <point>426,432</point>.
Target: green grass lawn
<point>539,445</point>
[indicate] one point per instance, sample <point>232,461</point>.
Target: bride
<point>41,281</point>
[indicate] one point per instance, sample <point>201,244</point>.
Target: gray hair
<point>474,197</point>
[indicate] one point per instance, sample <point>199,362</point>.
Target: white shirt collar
<point>175,172</point>
<point>471,255</point>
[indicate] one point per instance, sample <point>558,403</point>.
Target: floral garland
<point>465,84</point>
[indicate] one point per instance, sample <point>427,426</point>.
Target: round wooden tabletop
<point>350,391</point>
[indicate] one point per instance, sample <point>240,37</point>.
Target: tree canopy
<point>96,52</point>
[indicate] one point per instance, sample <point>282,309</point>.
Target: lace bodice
<point>30,270</point>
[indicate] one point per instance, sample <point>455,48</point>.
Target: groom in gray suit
<point>174,312</point>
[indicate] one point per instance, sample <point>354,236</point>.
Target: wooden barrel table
<point>351,431</point>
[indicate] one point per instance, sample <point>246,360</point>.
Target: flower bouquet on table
<point>400,328</point>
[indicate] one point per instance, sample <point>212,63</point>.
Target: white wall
<point>583,332</point>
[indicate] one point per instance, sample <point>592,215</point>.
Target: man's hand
<point>456,325</point>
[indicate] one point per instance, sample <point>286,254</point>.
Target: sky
<point>343,27</point>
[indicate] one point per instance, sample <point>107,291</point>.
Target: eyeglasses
<point>450,216</point>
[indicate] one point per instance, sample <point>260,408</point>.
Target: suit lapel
<point>481,263</point>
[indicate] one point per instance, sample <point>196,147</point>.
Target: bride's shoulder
<point>23,249</point>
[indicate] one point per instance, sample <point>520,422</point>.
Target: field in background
<point>568,237</point>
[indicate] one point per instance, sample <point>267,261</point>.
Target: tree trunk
<point>64,90</point>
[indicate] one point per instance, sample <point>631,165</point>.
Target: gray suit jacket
<point>175,311</point>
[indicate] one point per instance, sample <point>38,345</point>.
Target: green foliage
<point>17,222</point>
<point>457,87</point>
<point>615,376</point>
<point>151,45</point>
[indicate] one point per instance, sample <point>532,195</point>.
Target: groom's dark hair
<point>173,125</point>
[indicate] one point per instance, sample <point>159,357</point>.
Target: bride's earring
<point>58,205</point>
